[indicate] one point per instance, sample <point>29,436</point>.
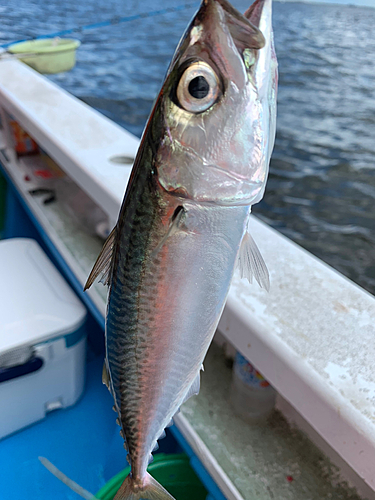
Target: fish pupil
<point>199,87</point>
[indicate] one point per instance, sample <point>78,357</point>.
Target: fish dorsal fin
<point>105,376</point>
<point>106,379</point>
<point>103,264</point>
<point>251,263</point>
<point>244,33</point>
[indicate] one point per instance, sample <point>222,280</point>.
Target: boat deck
<point>77,440</point>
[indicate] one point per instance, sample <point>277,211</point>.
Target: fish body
<point>202,163</point>
<point>164,306</point>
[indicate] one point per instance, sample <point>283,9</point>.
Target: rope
<point>110,22</point>
<point>69,482</point>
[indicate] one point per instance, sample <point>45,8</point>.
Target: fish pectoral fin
<point>174,225</point>
<point>103,264</point>
<point>251,263</point>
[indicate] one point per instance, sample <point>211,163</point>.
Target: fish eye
<point>198,88</point>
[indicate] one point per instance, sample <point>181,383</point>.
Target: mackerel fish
<point>182,229</point>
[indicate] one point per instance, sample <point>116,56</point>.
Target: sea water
<point>321,188</point>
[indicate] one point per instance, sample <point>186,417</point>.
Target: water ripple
<point>321,188</point>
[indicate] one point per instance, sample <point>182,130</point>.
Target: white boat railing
<point>312,336</point>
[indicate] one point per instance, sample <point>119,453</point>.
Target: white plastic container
<point>252,397</point>
<point>42,337</point>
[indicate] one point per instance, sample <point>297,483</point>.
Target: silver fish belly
<point>202,163</point>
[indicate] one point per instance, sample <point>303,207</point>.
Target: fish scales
<point>202,164</point>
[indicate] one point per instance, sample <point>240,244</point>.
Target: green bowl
<point>172,471</point>
<point>49,55</point>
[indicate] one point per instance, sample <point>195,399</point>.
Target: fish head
<point>214,121</point>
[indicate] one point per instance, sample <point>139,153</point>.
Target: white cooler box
<point>42,337</point>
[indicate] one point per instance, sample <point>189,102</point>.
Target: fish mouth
<point>218,186</point>
<point>228,173</point>
<point>241,192</point>
<point>234,176</point>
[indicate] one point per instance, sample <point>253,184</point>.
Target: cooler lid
<point>36,303</point>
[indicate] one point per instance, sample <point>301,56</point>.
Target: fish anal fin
<point>150,489</point>
<point>103,264</point>
<point>251,263</point>
<point>194,388</point>
<point>169,424</point>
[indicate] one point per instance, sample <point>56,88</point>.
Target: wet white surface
<point>73,133</point>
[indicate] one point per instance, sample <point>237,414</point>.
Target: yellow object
<point>47,56</point>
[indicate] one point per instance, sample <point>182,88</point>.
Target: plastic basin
<point>172,471</point>
<point>49,55</point>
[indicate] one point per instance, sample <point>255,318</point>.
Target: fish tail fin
<point>150,490</point>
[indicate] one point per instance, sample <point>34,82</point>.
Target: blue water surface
<point>321,190</point>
